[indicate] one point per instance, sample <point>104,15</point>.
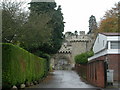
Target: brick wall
<point>96,69</point>
<point>114,64</point>
<point>95,73</point>
<point>81,70</point>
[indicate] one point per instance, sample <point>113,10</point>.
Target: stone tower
<point>71,47</point>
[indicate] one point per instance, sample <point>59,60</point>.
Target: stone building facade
<point>72,46</point>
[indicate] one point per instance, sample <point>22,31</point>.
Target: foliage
<point>90,53</point>
<point>19,66</point>
<point>83,58</point>
<point>40,29</point>
<point>109,25</point>
<point>41,7</point>
<point>37,32</point>
<point>13,18</point>
<point>50,24</point>
<point>58,25</point>
<point>110,21</point>
<point>44,55</point>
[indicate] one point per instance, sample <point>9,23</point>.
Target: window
<point>115,44</point>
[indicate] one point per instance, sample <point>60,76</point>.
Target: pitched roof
<point>111,34</point>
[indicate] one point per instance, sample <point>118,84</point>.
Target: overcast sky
<point>77,12</point>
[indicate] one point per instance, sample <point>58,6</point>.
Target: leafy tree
<point>37,32</point>
<point>58,25</point>
<point>48,26</point>
<point>41,7</point>
<point>40,29</point>
<point>110,21</point>
<point>109,25</point>
<point>37,29</point>
<point>13,18</point>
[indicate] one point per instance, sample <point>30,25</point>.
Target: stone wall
<point>81,45</point>
<point>78,48</point>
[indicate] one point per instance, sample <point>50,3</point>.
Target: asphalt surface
<point>63,79</point>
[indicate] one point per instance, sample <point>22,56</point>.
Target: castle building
<point>72,46</point>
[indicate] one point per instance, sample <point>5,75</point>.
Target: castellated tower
<point>82,32</point>
<point>80,44</point>
<point>72,46</point>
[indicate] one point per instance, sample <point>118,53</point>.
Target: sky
<point>77,12</point>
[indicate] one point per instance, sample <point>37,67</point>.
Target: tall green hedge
<point>19,66</point>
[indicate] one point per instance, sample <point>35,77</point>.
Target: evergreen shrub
<point>83,57</point>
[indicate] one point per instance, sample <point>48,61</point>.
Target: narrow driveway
<point>63,79</point>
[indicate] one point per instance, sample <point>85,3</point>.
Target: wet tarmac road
<point>63,79</point>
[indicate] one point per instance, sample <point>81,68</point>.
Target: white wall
<point>100,43</point>
<point>113,38</point>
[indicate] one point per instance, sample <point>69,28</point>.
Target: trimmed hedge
<point>20,66</point>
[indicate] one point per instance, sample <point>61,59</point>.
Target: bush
<point>90,53</point>
<point>20,66</point>
<point>83,58</point>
